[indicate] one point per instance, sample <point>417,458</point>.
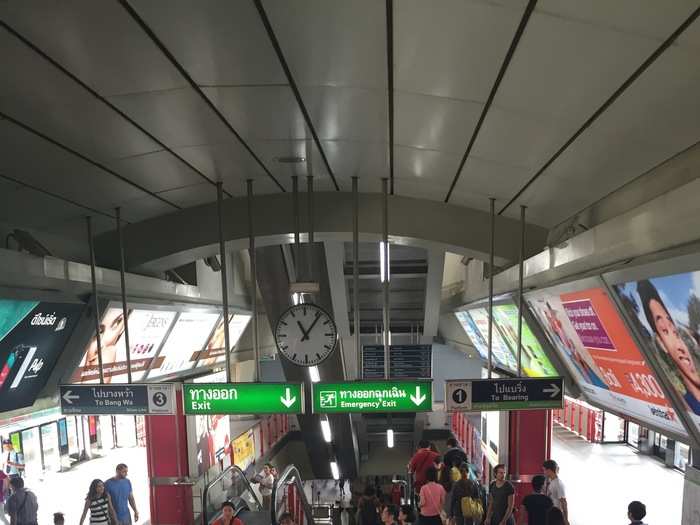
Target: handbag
<point>471,508</point>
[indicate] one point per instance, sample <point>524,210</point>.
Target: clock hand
<point>306,335</point>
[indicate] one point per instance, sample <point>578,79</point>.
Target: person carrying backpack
<point>22,505</point>
<point>455,455</point>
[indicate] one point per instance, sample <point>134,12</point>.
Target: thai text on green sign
<point>243,398</point>
<point>373,396</point>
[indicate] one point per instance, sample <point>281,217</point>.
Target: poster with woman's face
<point>667,310</point>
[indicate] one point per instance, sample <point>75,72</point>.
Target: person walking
<point>227,515</point>
<point>99,504</point>
<point>454,455</point>
<point>555,487</point>
<point>367,508</point>
<point>501,499</point>
<point>636,512</point>
<point>422,460</point>
<point>267,482</point>
<point>22,505</point>
<point>465,506</point>
<point>122,495</point>
<point>13,460</point>
<point>4,489</point>
<point>432,500</point>
<point>535,506</point>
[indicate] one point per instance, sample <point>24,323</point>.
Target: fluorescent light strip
<point>382,266</point>
<point>314,374</point>
<point>326,429</point>
<point>334,470</point>
<point>390,438</point>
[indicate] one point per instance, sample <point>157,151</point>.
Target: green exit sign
<point>373,396</point>
<point>243,398</point>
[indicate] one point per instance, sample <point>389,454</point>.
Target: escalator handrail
<point>234,468</point>
<point>291,473</point>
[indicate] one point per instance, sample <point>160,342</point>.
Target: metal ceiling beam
<point>87,159</point>
<point>293,86</point>
<point>433,295</point>
<point>442,226</point>
<point>390,84</point>
<point>501,73</point>
<point>609,102</point>
<point>171,58</point>
<point>102,99</point>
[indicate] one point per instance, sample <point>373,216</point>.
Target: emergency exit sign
<point>243,398</point>
<point>373,397</point>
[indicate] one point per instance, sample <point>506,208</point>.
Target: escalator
<point>232,485</point>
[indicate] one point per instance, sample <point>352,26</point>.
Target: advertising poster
<point>184,343</point>
<point>32,337</point>
<point>244,450</point>
<point>667,313</point>
<point>147,328</point>
<point>214,353</point>
<point>213,442</point>
<point>473,332</point>
<point>535,362</point>
<point>587,330</point>
<point>501,353</point>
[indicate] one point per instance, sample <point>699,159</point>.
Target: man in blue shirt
<point>119,490</point>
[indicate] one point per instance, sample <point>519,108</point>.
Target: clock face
<point>306,334</point>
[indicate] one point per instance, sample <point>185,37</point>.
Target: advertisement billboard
<point>32,336</point>
<point>666,312</point>
<point>502,355</point>
<point>147,329</point>
<point>214,353</point>
<point>584,326</point>
<point>184,343</point>
<point>535,362</point>
<point>473,332</point>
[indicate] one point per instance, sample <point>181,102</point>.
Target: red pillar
<point>166,445</point>
<point>534,444</point>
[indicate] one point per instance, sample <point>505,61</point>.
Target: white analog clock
<point>306,334</point>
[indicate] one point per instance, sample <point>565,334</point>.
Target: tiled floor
<point>601,480</point>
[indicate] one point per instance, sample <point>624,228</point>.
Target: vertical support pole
<point>96,306</point>
<point>297,227</point>
<point>356,272</point>
<point>122,280</point>
<point>254,280</point>
<point>521,272</point>
<point>310,205</point>
<point>385,271</point>
<point>224,277</point>
<point>491,263</point>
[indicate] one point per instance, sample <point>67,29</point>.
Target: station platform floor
<point>65,491</point>
<point>601,480</point>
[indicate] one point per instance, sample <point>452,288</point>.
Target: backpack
<point>471,508</point>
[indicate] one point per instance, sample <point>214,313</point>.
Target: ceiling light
<point>291,160</point>
<point>326,429</point>
<point>390,438</point>
<point>384,266</point>
<point>334,470</point>
<point>314,374</point>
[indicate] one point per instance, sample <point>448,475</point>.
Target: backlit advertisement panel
<point>184,343</point>
<point>501,353</point>
<point>147,329</point>
<point>535,362</point>
<point>601,354</point>
<point>666,311</point>
<point>32,336</point>
<point>473,332</point>
<point>214,351</point>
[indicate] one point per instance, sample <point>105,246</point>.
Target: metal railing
<point>231,485</point>
<point>280,493</point>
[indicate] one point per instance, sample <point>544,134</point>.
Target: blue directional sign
<point>149,399</point>
<point>504,394</point>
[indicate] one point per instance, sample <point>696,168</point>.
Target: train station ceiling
<point>145,104</point>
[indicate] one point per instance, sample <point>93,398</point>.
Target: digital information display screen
<point>405,361</point>
<point>147,329</point>
<point>585,328</point>
<point>32,336</point>
<point>666,311</point>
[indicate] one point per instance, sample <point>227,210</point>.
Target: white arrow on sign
<point>68,397</point>
<point>418,398</point>
<point>288,400</point>
<point>553,392</point>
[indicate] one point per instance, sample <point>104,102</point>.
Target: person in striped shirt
<point>99,504</point>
